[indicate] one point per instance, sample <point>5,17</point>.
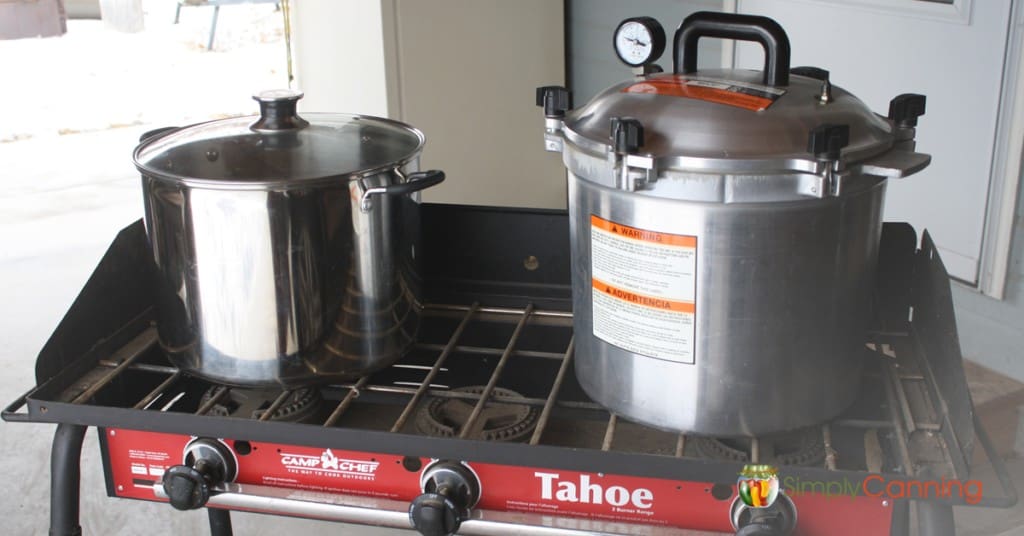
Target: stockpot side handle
<point>414,182</point>
<point>763,30</point>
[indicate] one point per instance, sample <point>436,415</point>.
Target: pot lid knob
<point>906,108</point>
<point>826,141</point>
<point>555,100</point>
<point>278,111</point>
<point>627,134</point>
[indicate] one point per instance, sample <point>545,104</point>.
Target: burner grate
<point>534,359</point>
<point>448,417</point>
<point>298,405</point>
<point>526,350</point>
<point>800,447</point>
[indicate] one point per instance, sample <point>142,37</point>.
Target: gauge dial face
<point>635,43</point>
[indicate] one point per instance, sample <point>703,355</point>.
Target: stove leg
<point>900,519</point>
<point>935,519</point>
<point>220,522</point>
<point>65,473</point>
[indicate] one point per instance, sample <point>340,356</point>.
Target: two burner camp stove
<point>483,429</point>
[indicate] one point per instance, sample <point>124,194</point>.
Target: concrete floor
<point>992,522</point>
<point>66,192</point>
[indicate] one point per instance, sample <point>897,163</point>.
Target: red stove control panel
<point>136,461</point>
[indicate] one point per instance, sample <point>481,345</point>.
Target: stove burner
<point>498,421</point>
<point>299,406</point>
<point>799,447</point>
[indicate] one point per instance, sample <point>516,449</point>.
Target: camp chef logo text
<point>327,464</point>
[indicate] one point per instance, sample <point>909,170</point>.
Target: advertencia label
<point>751,97</point>
<point>644,289</point>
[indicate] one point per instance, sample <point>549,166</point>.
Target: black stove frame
<point>475,275</point>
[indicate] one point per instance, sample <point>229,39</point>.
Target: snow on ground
<point>76,104</point>
<point>94,78</point>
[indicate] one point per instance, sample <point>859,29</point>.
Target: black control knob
<point>555,100</point>
<point>816,73</point>
<point>450,489</point>
<point>778,519</point>
<point>433,514</point>
<point>906,108</point>
<point>186,487</point>
<point>627,135</point>
<point>766,522</point>
<point>826,141</point>
<point>208,462</point>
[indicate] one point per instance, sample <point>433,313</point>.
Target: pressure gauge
<point>639,41</point>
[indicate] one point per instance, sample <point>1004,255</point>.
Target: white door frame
<point>1006,166</point>
<point>1008,144</point>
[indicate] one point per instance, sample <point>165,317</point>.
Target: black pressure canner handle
<point>761,30</point>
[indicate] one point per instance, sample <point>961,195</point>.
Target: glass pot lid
<point>278,148</point>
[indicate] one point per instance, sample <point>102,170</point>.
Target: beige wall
<point>463,71</point>
<point>468,70</point>
<point>338,55</point>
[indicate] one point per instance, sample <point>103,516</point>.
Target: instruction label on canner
<point>753,97</point>
<point>644,289</point>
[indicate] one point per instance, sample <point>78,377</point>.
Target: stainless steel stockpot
<point>284,245</point>
<point>725,228</point>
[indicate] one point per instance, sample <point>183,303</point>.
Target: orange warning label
<point>643,289</point>
<point>741,95</point>
<point>640,299</point>
<point>644,235</point>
